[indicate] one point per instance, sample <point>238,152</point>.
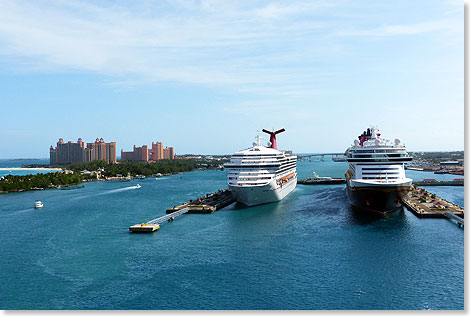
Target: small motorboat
<point>138,186</point>
<point>38,204</point>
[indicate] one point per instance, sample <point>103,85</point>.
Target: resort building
<point>168,153</point>
<point>99,150</point>
<point>70,152</point>
<point>158,152</point>
<point>138,154</point>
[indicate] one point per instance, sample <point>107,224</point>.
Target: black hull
<point>378,201</point>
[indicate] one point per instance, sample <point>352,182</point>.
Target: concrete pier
<point>457,182</point>
<point>426,205</point>
<point>206,204</point>
<point>203,205</point>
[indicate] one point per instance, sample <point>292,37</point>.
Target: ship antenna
<point>258,139</point>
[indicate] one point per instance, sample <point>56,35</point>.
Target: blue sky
<point>204,76</point>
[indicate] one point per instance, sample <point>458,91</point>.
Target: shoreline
<point>122,179</point>
<point>21,168</point>
<point>458,172</point>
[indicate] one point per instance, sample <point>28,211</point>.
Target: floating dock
<point>203,205</point>
<point>426,205</point>
<point>144,228</point>
<point>206,204</point>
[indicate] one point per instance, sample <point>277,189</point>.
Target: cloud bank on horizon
<point>296,61</point>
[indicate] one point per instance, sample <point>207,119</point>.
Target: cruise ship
<point>260,174</point>
<point>376,178</point>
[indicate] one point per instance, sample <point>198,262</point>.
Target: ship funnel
<point>272,139</point>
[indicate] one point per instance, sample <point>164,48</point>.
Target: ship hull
<point>256,195</point>
<point>377,200</point>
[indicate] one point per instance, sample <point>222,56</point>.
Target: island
<point>100,170</point>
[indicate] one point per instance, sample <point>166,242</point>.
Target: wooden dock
<point>426,205</point>
<point>203,205</point>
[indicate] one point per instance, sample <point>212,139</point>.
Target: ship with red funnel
<point>262,174</point>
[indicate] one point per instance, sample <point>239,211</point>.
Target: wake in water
<point>109,192</point>
<point>25,210</point>
<point>15,213</point>
<point>120,189</point>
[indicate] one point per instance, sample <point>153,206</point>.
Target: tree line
<point>135,168</point>
<point>12,183</point>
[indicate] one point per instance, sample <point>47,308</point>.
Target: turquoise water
<point>7,163</point>
<point>308,251</point>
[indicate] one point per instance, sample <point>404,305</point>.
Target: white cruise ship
<point>376,178</point>
<point>262,174</point>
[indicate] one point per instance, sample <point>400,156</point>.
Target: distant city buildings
<point>138,154</point>
<point>70,152</point>
<point>168,153</point>
<point>157,152</point>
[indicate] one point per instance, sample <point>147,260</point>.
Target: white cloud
<point>402,29</point>
<point>277,10</point>
<point>204,47</point>
<point>254,47</point>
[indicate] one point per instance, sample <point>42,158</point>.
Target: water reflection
<point>361,217</point>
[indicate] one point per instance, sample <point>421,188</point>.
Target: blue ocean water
<point>308,251</point>
<point>16,163</point>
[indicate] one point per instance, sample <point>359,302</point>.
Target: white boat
<point>260,174</point>
<point>376,178</point>
<point>318,178</point>
<point>138,186</point>
<point>38,204</point>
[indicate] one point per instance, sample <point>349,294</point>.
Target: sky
<point>205,76</point>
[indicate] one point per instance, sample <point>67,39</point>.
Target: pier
<point>206,204</point>
<point>430,182</point>
<point>203,205</point>
<point>420,202</point>
<point>426,205</point>
<point>433,182</point>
